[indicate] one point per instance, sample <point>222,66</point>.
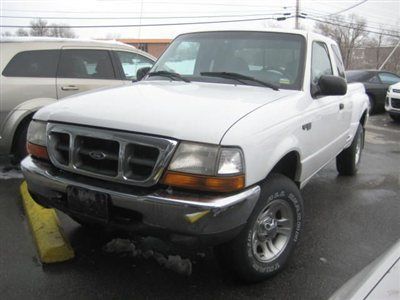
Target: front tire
<point>348,161</point>
<point>264,246</point>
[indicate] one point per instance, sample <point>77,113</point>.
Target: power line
<point>351,27</point>
<point>323,14</point>
<point>350,7</point>
<point>150,25</point>
<point>149,18</point>
<point>322,18</point>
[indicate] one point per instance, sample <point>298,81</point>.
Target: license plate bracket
<point>87,202</point>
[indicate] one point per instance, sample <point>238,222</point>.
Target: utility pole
<point>297,14</point>
<point>390,55</point>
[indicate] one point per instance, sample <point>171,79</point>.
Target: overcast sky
<point>128,12</point>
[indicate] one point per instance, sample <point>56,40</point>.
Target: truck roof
<point>306,33</point>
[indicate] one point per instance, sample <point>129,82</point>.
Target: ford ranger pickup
<point>212,146</point>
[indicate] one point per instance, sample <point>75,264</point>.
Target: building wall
<point>153,46</point>
<point>157,49</point>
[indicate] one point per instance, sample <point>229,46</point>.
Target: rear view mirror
<point>330,85</point>
<point>142,72</point>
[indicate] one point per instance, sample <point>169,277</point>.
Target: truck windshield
<point>273,58</point>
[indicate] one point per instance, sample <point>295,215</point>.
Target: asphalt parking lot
<point>349,222</point>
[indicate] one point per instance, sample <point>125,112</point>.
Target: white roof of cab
<point>306,33</point>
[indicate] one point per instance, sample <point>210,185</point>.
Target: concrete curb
<point>51,244</point>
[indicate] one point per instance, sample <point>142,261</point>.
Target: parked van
<point>39,71</point>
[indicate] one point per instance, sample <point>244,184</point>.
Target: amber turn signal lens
<point>37,151</point>
<point>224,184</point>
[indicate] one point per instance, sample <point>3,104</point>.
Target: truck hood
<point>193,111</point>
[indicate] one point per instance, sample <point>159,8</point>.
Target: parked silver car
<point>39,71</point>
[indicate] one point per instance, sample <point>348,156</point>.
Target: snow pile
<point>10,174</point>
<point>121,246</point>
<point>174,263</point>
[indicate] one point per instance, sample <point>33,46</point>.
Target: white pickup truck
<point>211,146</point>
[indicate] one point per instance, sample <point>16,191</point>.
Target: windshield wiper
<point>240,77</point>
<point>171,75</point>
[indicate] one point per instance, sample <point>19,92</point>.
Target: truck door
<point>81,70</point>
<point>322,129</point>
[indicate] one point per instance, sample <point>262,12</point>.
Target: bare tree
<point>6,33</point>
<point>39,28</point>
<point>64,31</point>
<point>348,32</point>
<point>21,32</point>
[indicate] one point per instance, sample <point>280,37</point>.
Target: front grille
<point>110,155</point>
<point>395,103</point>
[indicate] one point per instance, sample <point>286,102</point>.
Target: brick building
<point>153,46</point>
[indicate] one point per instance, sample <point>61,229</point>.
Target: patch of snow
<point>121,246</point>
<point>174,263</point>
<point>11,174</point>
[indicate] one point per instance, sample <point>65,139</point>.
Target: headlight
<point>206,167</point>
<point>37,133</point>
<point>195,158</point>
<point>36,140</point>
<point>230,161</point>
<point>207,159</point>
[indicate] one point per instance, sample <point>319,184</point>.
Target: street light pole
<point>297,14</point>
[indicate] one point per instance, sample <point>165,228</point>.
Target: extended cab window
<point>39,63</point>
<point>131,62</point>
<point>338,60</point>
<point>90,64</point>
<point>320,62</point>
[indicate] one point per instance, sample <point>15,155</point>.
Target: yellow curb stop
<point>48,235</point>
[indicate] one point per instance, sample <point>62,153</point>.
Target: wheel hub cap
<point>267,228</point>
<point>272,230</point>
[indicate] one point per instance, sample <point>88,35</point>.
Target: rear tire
<point>19,146</point>
<point>264,246</point>
<point>348,161</point>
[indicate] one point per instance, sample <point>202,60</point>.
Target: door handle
<point>341,106</point>
<point>69,88</point>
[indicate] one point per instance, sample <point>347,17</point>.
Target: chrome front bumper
<point>184,213</point>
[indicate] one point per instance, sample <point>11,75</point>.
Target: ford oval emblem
<point>97,155</point>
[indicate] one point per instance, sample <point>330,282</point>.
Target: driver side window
<point>320,62</point>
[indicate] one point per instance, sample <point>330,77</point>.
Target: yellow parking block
<point>48,235</point>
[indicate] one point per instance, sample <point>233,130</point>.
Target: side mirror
<point>142,72</point>
<point>330,85</point>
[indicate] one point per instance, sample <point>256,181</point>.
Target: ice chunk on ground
<point>119,246</point>
<point>127,247</point>
<point>179,265</point>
